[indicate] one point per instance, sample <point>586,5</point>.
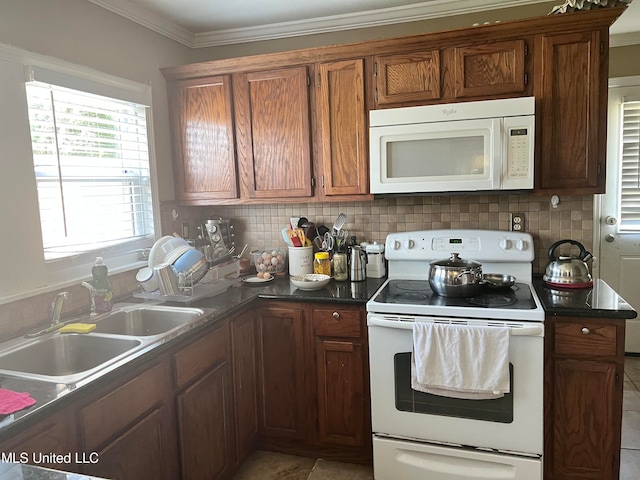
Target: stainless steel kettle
<point>358,262</point>
<point>566,270</point>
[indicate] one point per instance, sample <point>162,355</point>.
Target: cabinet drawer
<point>590,339</point>
<point>114,412</point>
<point>337,322</point>
<point>201,355</point>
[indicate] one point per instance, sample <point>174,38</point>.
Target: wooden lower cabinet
<point>245,393</point>
<point>140,451</point>
<point>205,426</point>
<point>56,434</point>
<point>313,363</point>
<point>583,398</point>
<point>204,406</point>
<point>283,359</point>
<point>288,376</point>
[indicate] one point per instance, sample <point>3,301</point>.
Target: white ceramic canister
<point>300,260</point>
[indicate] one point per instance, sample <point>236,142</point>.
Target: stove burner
<point>410,285</point>
<point>410,297</point>
<point>493,300</point>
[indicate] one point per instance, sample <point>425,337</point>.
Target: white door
<point>617,228</point>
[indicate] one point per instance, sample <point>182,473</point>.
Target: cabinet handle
<point>336,315</point>
<point>585,331</point>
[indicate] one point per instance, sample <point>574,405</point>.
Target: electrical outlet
<point>516,222</point>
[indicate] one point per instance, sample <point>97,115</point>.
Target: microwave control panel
<point>518,147</point>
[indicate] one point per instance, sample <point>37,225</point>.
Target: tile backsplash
<point>260,225</point>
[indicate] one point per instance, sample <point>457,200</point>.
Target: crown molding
<point>624,39</point>
<point>148,19</point>
<point>387,16</point>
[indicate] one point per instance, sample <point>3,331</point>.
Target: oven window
<point>498,410</point>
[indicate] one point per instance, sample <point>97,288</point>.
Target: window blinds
<point>630,167</point>
<point>91,161</point>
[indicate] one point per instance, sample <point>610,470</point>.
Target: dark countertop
<point>49,396</point>
<point>601,301</point>
<point>14,471</point>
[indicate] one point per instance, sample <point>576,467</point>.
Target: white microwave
<point>456,147</point>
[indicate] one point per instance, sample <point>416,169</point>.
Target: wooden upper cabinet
<point>407,77</point>
<point>571,89</point>
<point>342,126</point>
<point>273,133</point>
<point>203,139</point>
<point>489,69</point>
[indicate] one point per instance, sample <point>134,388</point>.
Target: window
<point>91,163</point>
<point>630,166</point>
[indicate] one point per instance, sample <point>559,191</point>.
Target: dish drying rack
<point>217,280</point>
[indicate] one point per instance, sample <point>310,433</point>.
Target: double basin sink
<point>70,357</point>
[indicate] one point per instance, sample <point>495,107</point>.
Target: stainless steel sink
<point>146,321</point>
<point>69,357</point>
<point>65,358</point>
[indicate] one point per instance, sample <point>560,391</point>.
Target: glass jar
<point>321,263</point>
<point>340,272</point>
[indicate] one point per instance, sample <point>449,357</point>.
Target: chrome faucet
<point>56,307</point>
<point>92,292</point>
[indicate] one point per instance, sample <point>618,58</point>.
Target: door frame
<point>630,81</point>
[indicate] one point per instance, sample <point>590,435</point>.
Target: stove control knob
<point>505,244</point>
<point>521,245</point>
<point>396,245</point>
<point>410,244</point>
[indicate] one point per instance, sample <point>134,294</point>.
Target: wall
<point>260,226</point>
<point>80,32</point>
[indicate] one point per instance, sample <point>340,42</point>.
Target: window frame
<point>24,270</point>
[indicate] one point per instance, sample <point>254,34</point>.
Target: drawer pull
<point>336,315</point>
<point>585,331</point>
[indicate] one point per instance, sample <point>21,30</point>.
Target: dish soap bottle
<point>104,292</point>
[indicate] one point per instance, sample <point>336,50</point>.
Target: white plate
<point>254,280</point>
<point>156,253</point>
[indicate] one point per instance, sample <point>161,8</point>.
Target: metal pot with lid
<point>455,277</point>
<point>568,271</point>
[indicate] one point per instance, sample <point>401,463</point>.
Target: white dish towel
<point>460,361</point>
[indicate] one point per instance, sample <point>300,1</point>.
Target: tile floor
<point>630,455</point>
<point>275,466</point>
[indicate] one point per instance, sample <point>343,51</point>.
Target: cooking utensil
<point>339,223</point>
<point>327,242</point>
<point>567,271</point>
<point>498,281</point>
<point>295,241</point>
<point>455,277</point>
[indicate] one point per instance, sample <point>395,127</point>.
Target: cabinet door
<point>205,424</point>
<point>243,348</point>
<point>341,408</point>
<point>273,133</point>
<point>584,443</point>
<point>410,77</point>
<point>342,128</point>
<point>571,82</point>
<point>56,434</point>
<point>203,139</point>
<point>138,453</point>
<point>282,366</point>
<point>490,69</point>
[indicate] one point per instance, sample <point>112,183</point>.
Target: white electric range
<point>418,435</point>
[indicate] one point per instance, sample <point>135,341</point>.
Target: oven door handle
<point>535,331</point>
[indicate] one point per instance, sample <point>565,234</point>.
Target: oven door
<point>513,423</point>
